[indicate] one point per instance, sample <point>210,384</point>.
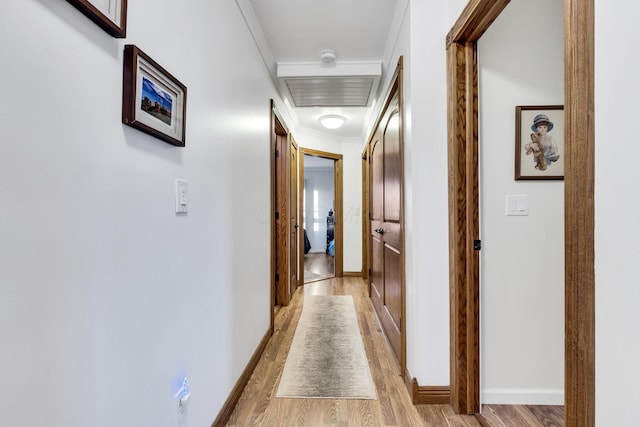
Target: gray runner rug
<point>327,357</point>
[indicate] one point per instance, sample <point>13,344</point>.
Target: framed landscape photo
<point>110,15</point>
<point>153,101</point>
<point>539,142</point>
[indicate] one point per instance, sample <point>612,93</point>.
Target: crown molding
<point>249,15</point>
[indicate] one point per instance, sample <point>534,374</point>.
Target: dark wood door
<point>386,227</point>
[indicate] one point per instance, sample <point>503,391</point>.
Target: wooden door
<point>387,263</point>
<point>294,241</point>
<point>281,239</point>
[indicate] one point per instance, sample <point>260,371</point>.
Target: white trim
<point>338,69</point>
<point>249,15</point>
<point>516,396</point>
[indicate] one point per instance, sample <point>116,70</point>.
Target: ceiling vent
<point>338,85</point>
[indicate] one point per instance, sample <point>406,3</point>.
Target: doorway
<point>321,215</point>
<point>284,213</point>
<point>318,218</point>
<point>578,195</point>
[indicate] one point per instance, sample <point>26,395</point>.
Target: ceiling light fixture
<point>332,121</point>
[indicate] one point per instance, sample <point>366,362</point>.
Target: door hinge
<point>277,277</point>
<point>369,272</point>
<point>277,153</point>
<point>277,215</point>
<point>477,245</point>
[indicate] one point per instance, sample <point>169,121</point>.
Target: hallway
<point>257,407</point>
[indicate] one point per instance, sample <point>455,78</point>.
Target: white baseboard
<point>505,396</point>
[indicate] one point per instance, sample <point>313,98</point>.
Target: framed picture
<point>153,101</point>
<point>539,142</point>
<point>110,15</point>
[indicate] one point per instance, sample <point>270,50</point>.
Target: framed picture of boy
<point>539,152</point>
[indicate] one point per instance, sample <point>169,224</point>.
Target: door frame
<point>338,195</point>
<point>462,74</point>
<point>366,222</point>
<point>279,213</point>
<point>295,205</point>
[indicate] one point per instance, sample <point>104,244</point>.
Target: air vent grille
<point>330,91</point>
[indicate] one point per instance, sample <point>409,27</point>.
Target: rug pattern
<point>327,358</point>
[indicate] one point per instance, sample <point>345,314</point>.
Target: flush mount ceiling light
<point>332,121</point>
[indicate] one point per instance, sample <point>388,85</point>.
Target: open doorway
<point>321,206</point>
<point>579,395</point>
<point>318,218</point>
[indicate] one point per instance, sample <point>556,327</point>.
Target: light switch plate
<point>182,190</point>
<point>517,204</point>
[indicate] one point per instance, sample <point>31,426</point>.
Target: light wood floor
<point>258,405</point>
<point>320,265</point>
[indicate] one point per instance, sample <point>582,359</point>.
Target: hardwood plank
<point>258,405</point>
<point>549,416</point>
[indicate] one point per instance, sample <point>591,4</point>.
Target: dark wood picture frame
<point>114,24</point>
<point>539,156</point>
<point>153,101</point>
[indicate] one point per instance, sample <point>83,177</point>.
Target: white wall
<point>522,259</point>
<point>320,180</point>
<point>426,197</point>
<point>617,228</point>
<point>107,296</point>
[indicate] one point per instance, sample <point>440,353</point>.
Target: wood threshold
<point>227,409</point>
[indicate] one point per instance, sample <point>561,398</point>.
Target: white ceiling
<point>298,31</point>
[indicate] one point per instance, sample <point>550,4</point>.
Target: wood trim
<point>352,274</point>
<point>579,204</point>
<point>426,395</point>
<point>475,19</point>
<point>339,203</point>
<point>366,224</point>
<point>403,262</point>
<point>227,408</point>
<point>463,227</point>
<point>272,221</point>
<point>300,217</point>
<point>279,135</point>
<point>579,214</point>
<point>339,224</point>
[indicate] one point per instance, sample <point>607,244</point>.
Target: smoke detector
<point>328,56</point>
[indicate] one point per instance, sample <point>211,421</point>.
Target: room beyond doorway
<point>318,213</point>
<point>321,213</point>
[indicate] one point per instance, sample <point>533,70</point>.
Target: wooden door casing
<point>280,199</point>
<point>579,205</point>
<point>294,249</point>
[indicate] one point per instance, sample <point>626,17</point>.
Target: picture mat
<point>175,129</point>
<point>110,8</point>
